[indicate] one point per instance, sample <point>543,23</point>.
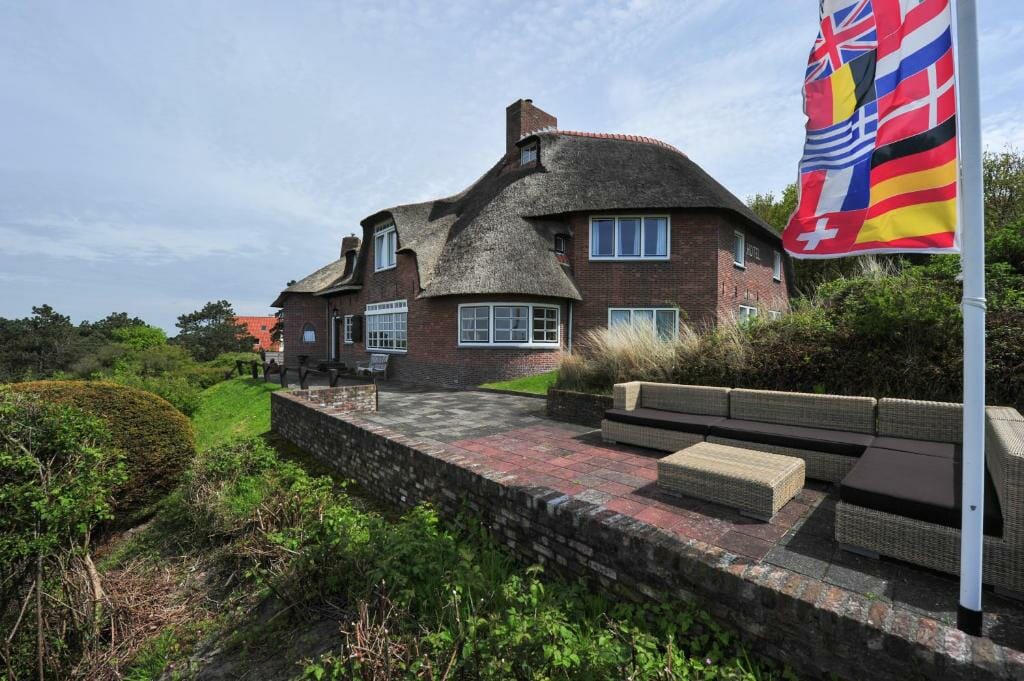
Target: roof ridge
<point>642,139</point>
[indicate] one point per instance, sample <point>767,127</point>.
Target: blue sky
<point>156,155</point>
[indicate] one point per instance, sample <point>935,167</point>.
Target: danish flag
<point>844,35</point>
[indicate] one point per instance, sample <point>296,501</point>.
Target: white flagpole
<point>972,259</point>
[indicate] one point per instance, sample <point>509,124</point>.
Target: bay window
<point>508,324</point>
<point>386,326</point>
<point>629,238</point>
<point>661,321</point>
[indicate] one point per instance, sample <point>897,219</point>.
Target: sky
<point>157,155</point>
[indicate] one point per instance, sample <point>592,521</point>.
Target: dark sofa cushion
<point>697,424</point>
<point>798,437</point>
<point>943,450</point>
<point>915,486</point>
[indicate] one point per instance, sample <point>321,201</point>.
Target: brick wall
<point>585,409</point>
<point>752,284</point>
<point>341,398</point>
<point>817,628</point>
<point>301,309</point>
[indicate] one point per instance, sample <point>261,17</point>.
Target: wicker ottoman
<point>756,483</point>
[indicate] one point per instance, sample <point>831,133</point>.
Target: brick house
<point>569,231</point>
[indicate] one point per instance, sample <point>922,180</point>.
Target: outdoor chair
<point>377,366</point>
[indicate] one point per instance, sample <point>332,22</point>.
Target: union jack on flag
<point>845,34</point>
<point>879,168</point>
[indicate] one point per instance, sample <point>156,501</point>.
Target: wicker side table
<point>756,483</point>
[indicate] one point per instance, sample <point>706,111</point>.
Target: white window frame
<point>739,239</point>
<point>750,314</point>
<point>529,154</point>
<point>776,265</point>
<point>654,312</point>
<point>346,324</point>
<point>385,247</point>
<point>774,314</point>
<point>374,314</point>
<point>615,238</point>
<point>530,342</point>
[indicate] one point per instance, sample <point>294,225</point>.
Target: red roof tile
<point>259,328</point>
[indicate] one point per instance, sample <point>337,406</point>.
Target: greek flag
<point>844,144</point>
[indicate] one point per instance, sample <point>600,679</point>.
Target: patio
<point>510,434</point>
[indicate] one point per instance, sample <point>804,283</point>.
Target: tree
<point>211,331</point>
<point>1004,188</point>
<point>140,337</point>
<point>775,212</point>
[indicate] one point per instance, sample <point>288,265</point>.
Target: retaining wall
<point>817,628</point>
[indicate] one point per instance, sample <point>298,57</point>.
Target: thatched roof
<point>314,283</point>
<point>496,237</point>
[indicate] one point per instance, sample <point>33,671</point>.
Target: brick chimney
<point>349,242</point>
<point>522,118</point>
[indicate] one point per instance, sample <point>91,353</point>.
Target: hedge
<point>156,438</point>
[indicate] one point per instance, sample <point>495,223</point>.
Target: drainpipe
<point>568,329</point>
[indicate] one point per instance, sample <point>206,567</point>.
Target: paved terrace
<point>511,434</point>
<point>508,439</point>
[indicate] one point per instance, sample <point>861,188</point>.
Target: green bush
<point>178,390</point>
<point>429,598</point>
<point>140,336</point>
<point>156,438</point>
<point>884,336</point>
<point>57,474</point>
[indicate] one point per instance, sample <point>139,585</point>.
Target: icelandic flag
<point>878,172</point>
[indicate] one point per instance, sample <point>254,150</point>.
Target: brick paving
<point>510,435</point>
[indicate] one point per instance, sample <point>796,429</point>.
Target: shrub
<point>156,438</point>
<point>57,474</point>
<point>140,336</point>
<point>178,390</point>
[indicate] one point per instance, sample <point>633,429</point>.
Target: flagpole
<point>972,236</point>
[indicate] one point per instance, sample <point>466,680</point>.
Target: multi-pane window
<point>545,325</point>
<point>747,313</point>
<point>387,326</point>
<point>511,323</point>
<point>308,333</point>
<point>528,155</point>
<point>774,314</point>
<point>385,242</point>
<point>347,328</point>
<point>739,249</point>
<point>508,324</point>
<point>776,266</point>
<point>664,322</point>
<point>475,324</point>
<point>629,237</point>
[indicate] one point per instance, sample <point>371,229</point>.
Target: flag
<point>878,172</point>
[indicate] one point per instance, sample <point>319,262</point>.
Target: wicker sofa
<point>906,505</point>
<point>896,462</point>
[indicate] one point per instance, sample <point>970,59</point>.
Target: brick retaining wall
<point>586,409</point>
<point>817,628</point>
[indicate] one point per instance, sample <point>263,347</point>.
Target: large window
<point>508,324</point>
<point>385,242</point>
<point>308,333</point>
<point>629,238</point>
<point>662,321</point>
<point>739,249</point>
<point>386,326</point>
<point>347,326</point>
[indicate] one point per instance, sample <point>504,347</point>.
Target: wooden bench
<point>756,483</point>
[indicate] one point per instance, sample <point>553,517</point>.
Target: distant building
<point>569,231</point>
<point>261,329</point>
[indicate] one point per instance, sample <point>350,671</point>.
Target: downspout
<point>568,329</point>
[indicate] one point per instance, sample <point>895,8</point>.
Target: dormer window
<point>385,243</point>
<point>528,155</point>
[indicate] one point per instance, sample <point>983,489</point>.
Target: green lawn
<point>535,385</point>
<point>239,407</point>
